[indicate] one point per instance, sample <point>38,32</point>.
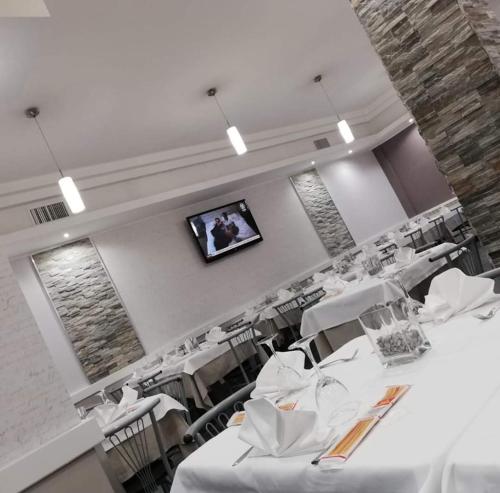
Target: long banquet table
<point>451,385</point>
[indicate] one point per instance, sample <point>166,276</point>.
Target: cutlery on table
<point>242,457</point>
<point>340,360</point>
<point>488,315</point>
<point>316,460</point>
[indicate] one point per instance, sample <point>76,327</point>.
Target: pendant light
<point>232,132</point>
<point>342,125</point>
<point>66,184</point>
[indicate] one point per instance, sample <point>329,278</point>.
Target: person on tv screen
<point>222,237</point>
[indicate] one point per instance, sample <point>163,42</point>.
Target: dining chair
<point>114,390</point>
<point>463,227</point>
<point>129,438</point>
<point>312,298</point>
<point>173,386</point>
<point>427,246</point>
<point>416,237</point>
<point>238,337</point>
<point>291,313</point>
<point>495,275</point>
<point>465,256</point>
<point>215,420</point>
<point>388,259</point>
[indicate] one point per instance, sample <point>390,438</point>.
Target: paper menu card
<point>343,449</point>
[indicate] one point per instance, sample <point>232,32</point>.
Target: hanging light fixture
<point>232,132</point>
<point>342,125</point>
<point>66,184</point>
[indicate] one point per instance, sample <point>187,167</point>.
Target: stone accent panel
<point>34,405</point>
<point>322,212</point>
<point>443,57</point>
<point>87,304</point>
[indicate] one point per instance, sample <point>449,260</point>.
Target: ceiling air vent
<point>321,143</point>
<point>49,212</point>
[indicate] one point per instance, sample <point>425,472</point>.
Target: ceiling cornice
<point>42,187</point>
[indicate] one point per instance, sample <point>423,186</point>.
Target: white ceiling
<point>121,78</point>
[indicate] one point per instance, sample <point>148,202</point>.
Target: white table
<point>406,453</point>
<point>205,366</point>
<point>356,298</point>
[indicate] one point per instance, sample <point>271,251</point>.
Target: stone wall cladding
<point>87,304</point>
<point>322,212</point>
<point>34,404</point>
<point>443,58</point>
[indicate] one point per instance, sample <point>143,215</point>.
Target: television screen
<point>224,230</point>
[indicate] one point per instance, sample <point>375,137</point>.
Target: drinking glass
<point>331,395</point>
<point>289,378</point>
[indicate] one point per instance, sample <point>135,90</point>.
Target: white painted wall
<point>362,194</point>
<point>168,289</point>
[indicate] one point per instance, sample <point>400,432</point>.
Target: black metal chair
<point>495,275</point>
<point>215,420</point>
<point>312,298</point>
<point>238,337</point>
<point>465,256</point>
<point>130,439</point>
<point>388,259</point>
<point>427,246</point>
<point>416,237</point>
<point>172,386</point>
<point>291,314</point>
<point>463,229</point>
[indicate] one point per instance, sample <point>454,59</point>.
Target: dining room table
<point>205,365</point>
<point>452,399</point>
<point>342,307</point>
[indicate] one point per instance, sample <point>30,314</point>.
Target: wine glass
<point>331,395</point>
<point>289,378</point>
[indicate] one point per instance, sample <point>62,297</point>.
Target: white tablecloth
<point>336,310</point>
<point>406,453</point>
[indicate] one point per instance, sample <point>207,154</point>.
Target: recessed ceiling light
<point>411,120</point>
<point>350,151</point>
<point>313,162</point>
<point>66,235</point>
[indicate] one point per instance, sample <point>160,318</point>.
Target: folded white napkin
<point>319,277</point>
<point>107,413</point>
<point>412,225</point>
<point>399,238</point>
<point>272,431</point>
<point>188,344</point>
<point>284,294</point>
<point>390,235</point>
<point>404,256</point>
<point>333,285</point>
<point>271,384</point>
<point>452,292</point>
<point>214,335</point>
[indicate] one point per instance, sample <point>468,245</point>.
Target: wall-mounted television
<point>224,230</point>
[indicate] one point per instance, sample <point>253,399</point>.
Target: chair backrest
<point>130,440</point>
<point>495,275</point>
<point>238,336</point>
<point>312,298</point>
<point>114,390</point>
<point>465,256</point>
<point>416,237</point>
<point>289,305</point>
<point>427,246</point>
<point>172,386</point>
<point>388,259</point>
<point>215,420</point>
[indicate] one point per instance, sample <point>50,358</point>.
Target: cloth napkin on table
<point>107,413</point>
<point>333,285</point>
<point>271,385</point>
<point>404,256</point>
<point>284,294</point>
<point>453,292</point>
<point>272,431</point>
<point>214,335</point>
<point>319,277</point>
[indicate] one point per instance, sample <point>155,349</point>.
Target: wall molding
<point>43,187</point>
